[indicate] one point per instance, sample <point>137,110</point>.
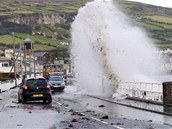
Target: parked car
<point>34,89</point>
<point>57,83</point>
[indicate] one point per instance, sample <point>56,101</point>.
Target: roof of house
<point>28,40</point>
<point>2,59</point>
<point>38,54</point>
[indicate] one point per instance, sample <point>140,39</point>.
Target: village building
<point>6,70</point>
<point>41,57</point>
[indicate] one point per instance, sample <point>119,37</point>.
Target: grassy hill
<point>157,21</point>
<point>45,37</point>
<point>9,7</point>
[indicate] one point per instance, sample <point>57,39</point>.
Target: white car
<point>56,74</point>
<point>57,83</point>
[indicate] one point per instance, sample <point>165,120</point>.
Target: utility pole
<point>34,64</point>
<point>25,60</point>
<point>21,59</point>
<point>30,70</point>
<point>14,60</point>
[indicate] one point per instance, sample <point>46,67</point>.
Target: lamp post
<point>14,60</point>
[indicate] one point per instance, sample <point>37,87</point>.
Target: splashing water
<point>106,49</point>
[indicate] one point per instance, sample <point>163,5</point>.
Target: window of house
<point>5,65</point>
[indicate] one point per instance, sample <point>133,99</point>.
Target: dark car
<point>34,89</point>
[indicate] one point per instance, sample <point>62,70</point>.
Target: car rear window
<point>36,82</point>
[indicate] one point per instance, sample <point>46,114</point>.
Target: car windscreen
<point>36,82</point>
<point>57,74</point>
<point>56,78</point>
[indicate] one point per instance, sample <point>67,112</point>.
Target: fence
<point>142,90</point>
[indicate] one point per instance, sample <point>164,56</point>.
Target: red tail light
<point>25,87</point>
<point>48,86</point>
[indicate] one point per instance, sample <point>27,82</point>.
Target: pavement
<point>7,85</point>
<point>151,106</point>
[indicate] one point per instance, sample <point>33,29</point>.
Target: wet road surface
<point>125,117</point>
<point>71,110</point>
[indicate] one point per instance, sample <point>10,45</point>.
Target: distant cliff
<point>36,19</point>
<point>24,23</point>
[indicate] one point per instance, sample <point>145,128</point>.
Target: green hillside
<point>157,21</point>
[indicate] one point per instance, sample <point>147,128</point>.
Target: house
<point>6,70</point>
<point>41,57</point>
<point>18,53</point>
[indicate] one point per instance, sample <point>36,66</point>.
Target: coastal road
<point>72,110</point>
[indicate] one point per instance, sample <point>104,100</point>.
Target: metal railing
<point>141,90</point>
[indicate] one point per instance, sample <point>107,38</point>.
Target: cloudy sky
<point>164,3</point>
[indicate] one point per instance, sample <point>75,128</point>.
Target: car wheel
<point>19,100</point>
<point>24,100</point>
<point>50,100</point>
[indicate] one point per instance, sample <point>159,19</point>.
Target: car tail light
<point>25,87</point>
<point>48,86</point>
